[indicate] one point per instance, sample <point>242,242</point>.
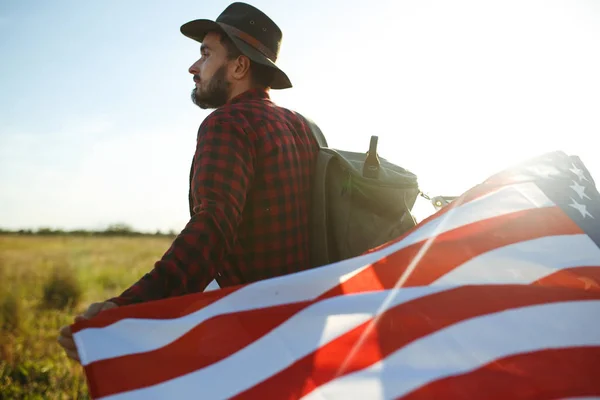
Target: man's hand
<point>65,339</point>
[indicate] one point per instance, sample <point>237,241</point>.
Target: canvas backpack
<point>359,201</point>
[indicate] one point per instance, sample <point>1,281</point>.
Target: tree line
<point>111,230</point>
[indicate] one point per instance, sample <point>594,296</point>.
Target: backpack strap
<point>319,218</point>
<point>316,131</point>
<point>319,232</point>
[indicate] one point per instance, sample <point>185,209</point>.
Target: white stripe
<point>105,343</point>
<point>582,398</point>
<point>469,345</point>
<point>299,336</point>
<point>525,262</point>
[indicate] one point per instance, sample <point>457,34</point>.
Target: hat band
<point>252,41</point>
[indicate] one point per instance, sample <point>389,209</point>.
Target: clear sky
<point>96,125</point>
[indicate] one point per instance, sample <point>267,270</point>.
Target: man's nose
<point>194,68</point>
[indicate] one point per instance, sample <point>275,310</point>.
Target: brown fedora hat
<point>251,30</point>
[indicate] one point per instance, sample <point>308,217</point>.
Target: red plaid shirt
<point>250,188</point>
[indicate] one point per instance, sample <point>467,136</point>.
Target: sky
<point>97,126</point>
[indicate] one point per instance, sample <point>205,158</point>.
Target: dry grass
<point>45,281</point>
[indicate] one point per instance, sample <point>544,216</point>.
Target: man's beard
<point>213,95</point>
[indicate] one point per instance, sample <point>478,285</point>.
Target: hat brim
<point>198,29</point>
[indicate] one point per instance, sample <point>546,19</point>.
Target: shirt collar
<point>251,94</point>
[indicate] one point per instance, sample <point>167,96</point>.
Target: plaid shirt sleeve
<point>223,169</point>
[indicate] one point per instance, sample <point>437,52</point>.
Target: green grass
<point>45,282</point>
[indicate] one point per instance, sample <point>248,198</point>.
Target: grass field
<point>44,282</point>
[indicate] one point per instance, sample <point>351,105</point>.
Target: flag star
<point>544,171</point>
<point>580,190</point>
<point>589,283</point>
<point>581,208</point>
<point>516,274</point>
<point>578,172</point>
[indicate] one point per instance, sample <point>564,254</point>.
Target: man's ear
<point>240,68</point>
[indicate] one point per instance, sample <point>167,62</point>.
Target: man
<point>251,174</point>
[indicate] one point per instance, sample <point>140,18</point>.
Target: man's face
<point>210,74</point>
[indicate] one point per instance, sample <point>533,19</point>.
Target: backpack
<point>359,201</point>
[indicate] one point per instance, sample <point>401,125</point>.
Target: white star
<point>516,274</point>
<point>578,172</point>
<point>544,171</point>
<point>581,208</point>
<point>580,190</point>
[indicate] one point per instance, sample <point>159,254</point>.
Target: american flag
<point>495,296</point>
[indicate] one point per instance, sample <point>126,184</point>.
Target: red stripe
<point>169,308</point>
<point>207,343</point>
<point>398,327</point>
<point>453,248</point>
<point>547,374</point>
<point>587,278</point>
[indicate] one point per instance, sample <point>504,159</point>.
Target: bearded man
<point>250,179</point>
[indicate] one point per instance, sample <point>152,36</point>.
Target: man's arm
<point>223,170</point>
